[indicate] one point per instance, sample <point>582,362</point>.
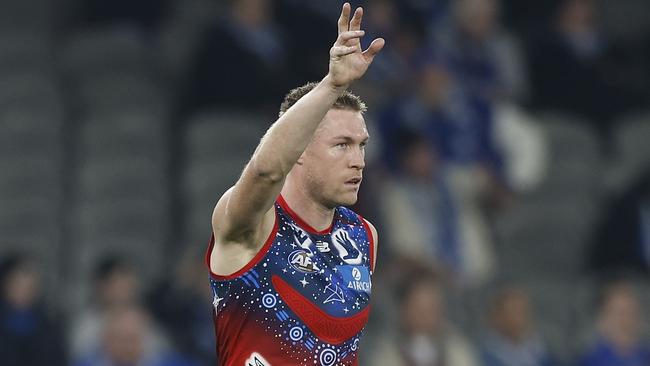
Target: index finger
<point>344,19</point>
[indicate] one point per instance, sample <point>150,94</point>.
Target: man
<point>620,328</point>
<point>512,339</point>
<point>25,323</point>
<point>422,335</point>
<point>125,340</point>
<point>290,265</point>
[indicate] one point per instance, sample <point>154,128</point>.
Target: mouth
<point>354,182</point>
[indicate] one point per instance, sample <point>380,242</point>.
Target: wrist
<point>336,89</point>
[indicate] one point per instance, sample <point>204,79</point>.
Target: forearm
<point>240,211</point>
<point>288,137</point>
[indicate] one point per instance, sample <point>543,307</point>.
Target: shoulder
<point>374,237</point>
<point>460,349</point>
<point>372,229</point>
<point>222,224</point>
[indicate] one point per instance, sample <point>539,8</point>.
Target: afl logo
<point>301,260</point>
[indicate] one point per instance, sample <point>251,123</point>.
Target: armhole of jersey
<point>371,240</point>
<point>262,252</point>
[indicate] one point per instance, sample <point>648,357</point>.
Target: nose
<point>358,158</point>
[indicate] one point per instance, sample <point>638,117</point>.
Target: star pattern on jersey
<point>336,294</point>
<point>253,295</point>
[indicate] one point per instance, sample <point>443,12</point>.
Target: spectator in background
<point>619,330</point>
<point>254,74</point>
<point>423,337</point>
<point>417,209</point>
<point>511,340</point>
<point>115,285</point>
<point>391,75</point>
<point>523,145</point>
<point>457,124</point>
<point>483,57</point>
<point>567,65</point>
<point>621,242</point>
<point>181,305</point>
<point>28,335</point>
<point>124,335</point>
<point>460,127</point>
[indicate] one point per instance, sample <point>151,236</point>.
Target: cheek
<point>324,165</point>
<point>319,152</point>
<point>326,161</point>
<point>334,154</point>
<point>315,176</point>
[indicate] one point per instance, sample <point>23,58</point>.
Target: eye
<point>342,144</point>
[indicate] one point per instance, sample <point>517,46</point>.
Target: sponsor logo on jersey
<point>356,278</point>
<point>356,274</point>
<point>302,261</point>
<point>256,360</point>
<point>323,246</point>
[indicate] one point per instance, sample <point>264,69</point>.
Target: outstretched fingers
<point>344,44</point>
<point>355,23</point>
<point>346,36</point>
<point>344,19</point>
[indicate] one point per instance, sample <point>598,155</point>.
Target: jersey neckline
<point>302,223</point>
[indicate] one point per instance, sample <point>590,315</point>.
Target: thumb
<point>373,49</point>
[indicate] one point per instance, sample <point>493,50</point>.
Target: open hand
<point>347,61</point>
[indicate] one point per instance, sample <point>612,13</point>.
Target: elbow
<point>266,171</point>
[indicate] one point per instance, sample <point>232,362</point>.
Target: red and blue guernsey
<point>304,298</point>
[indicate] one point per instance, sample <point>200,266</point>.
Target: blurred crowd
<point>508,174</point>
<point>121,323</point>
<point>169,325</point>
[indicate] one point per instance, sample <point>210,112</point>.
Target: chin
<point>347,199</point>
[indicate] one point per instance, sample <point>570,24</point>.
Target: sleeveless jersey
<point>302,300</point>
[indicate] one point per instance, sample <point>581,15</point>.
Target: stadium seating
<point>217,146</point>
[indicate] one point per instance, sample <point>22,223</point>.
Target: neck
<point>314,213</point>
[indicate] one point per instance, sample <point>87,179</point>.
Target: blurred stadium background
<point>509,163</point>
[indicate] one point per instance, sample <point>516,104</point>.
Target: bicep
<point>241,210</point>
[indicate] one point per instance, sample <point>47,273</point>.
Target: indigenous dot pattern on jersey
<point>303,300</point>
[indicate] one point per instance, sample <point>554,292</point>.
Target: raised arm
<point>246,209</point>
